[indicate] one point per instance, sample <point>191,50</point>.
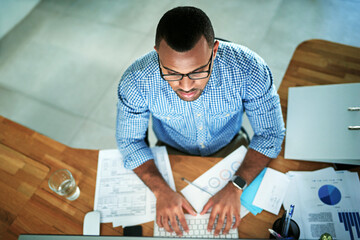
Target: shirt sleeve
<point>132,123</point>
<point>262,106</point>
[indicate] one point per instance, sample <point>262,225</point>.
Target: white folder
<point>318,120</point>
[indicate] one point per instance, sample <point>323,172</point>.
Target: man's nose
<point>186,83</point>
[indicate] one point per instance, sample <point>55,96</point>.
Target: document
<point>120,196</point>
<point>214,180</point>
<point>325,201</point>
<point>272,190</point>
<point>248,196</point>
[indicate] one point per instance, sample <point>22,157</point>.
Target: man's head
<point>182,27</point>
<point>185,44</point>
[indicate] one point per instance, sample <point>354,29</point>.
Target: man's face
<point>194,60</point>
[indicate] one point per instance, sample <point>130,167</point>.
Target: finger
<point>211,220</point>
<point>165,222</point>
<point>237,221</point>
<point>188,208</point>
<point>183,222</point>
<point>220,224</point>
<point>207,206</point>
<point>175,225</point>
<point>228,219</point>
<point>158,221</point>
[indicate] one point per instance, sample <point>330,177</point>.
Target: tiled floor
<point>59,68</point>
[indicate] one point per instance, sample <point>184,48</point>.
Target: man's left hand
<point>225,205</point>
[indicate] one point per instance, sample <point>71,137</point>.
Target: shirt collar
<point>214,80</point>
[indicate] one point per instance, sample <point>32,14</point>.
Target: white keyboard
<point>197,229</point>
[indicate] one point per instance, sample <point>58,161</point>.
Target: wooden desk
<point>27,159</point>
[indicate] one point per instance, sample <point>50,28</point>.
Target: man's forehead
<point>184,61</point>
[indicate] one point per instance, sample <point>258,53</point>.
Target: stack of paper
<point>120,196</point>
<point>326,201</point>
<point>272,191</point>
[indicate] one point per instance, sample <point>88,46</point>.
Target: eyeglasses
<point>194,75</point>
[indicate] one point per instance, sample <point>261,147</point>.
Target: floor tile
<point>26,31</point>
<point>92,135</point>
<point>105,111</point>
<point>39,116</point>
<point>69,67</point>
<point>134,15</point>
<point>55,6</point>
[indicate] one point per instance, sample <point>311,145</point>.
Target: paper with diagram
<point>325,201</point>
<point>214,180</point>
<point>120,196</point>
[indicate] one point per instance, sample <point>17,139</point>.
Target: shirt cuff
<point>267,145</point>
<point>135,155</point>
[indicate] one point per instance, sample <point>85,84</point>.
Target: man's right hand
<point>169,204</point>
<point>169,208</point>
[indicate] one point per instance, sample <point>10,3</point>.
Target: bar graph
<point>350,220</point>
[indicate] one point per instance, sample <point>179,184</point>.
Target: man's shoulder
<point>238,55</point>
<point>143,67</point>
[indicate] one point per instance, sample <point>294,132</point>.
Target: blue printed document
<point>249,194</point>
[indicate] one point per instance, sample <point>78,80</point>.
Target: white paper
<point>214,180</point>
<point>292,194</point>
<point>321,198</point>
<point>120,195</point>
<point>272,190</point>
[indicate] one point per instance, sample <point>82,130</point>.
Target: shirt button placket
<point>199,121</point>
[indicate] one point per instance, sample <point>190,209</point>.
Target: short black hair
<point>182,27</point>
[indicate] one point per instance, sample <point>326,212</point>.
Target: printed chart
<point>350,220</point>
<point>329,194</point>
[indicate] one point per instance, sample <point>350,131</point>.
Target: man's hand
<point>169,206</point>
<point>225,205</point>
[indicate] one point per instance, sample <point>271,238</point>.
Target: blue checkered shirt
<point>240,81</point>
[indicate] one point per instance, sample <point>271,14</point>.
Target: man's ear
<point>216,46</point>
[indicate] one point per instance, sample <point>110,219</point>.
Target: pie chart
<point>329,194</point>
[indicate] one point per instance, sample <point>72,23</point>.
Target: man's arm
<point>262,106</point>
<point>254,162</point>
<point>226,203</point>
<point>169,204</point>
<point>132,124</point>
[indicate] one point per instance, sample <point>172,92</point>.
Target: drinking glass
<point>63,183</point>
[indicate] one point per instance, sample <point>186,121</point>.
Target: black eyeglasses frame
<point>181,76</point>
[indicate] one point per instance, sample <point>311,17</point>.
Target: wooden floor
<point>27,158</point>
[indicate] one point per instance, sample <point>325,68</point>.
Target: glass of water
<point>63,183</point>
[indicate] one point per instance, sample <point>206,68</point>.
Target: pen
<point>287,221</point>
<point>275,234</point>
<point>184,179</point>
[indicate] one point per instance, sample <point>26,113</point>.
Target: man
<point>196,89</point>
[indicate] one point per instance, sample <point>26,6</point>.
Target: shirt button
<point>199,114</point>
<point>202,145</point>
<point>201,128</point>
<point>168,118</point>
<point>227,115</point>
